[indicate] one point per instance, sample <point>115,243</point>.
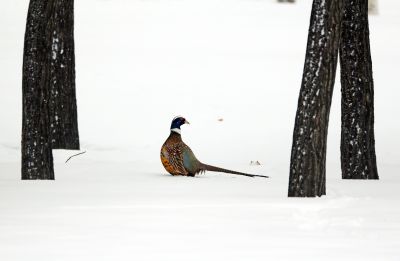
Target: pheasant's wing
<point>175,159</point>
<point>190,162</point>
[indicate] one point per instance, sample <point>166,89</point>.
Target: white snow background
<point>139,63</point>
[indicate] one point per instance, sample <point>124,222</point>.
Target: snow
<point>139,64</point>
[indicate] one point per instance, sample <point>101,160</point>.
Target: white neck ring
<point>176,130</point>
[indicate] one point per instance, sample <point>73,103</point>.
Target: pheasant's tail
<point>205,167</point>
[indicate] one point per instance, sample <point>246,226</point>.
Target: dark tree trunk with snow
<point>307,166</point>
<point>358,142</point>
<point>49,100</point>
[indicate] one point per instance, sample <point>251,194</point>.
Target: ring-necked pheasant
<point>178,159</point>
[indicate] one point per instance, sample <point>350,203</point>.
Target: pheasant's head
<point>176,124</point>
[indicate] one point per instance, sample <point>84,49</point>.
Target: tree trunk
<point>357,140</point>
<point>49,100</point>
<point>62,104</point>
<point>307,166</point>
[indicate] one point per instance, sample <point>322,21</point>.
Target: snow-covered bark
<point>62,103</point>
<point>49,103</point>
<point>357,140</point>
<point>307,166</point>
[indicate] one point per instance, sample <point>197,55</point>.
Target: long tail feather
<point>217,169</point>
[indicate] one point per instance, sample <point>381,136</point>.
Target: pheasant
<point>179,160</point>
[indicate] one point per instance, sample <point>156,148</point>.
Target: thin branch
<point>75,156</point>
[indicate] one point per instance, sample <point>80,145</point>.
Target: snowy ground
<point>140,63</point>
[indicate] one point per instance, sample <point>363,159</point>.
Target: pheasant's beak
<point>187,122</point>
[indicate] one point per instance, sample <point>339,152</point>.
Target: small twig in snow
<point>75,155</point>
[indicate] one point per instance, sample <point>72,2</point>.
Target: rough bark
<point>62,103</point>
<point>357,140</point>
<point>307,166</point>
<point>49,102</point>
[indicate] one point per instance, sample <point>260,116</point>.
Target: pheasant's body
<point>178,159</point>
